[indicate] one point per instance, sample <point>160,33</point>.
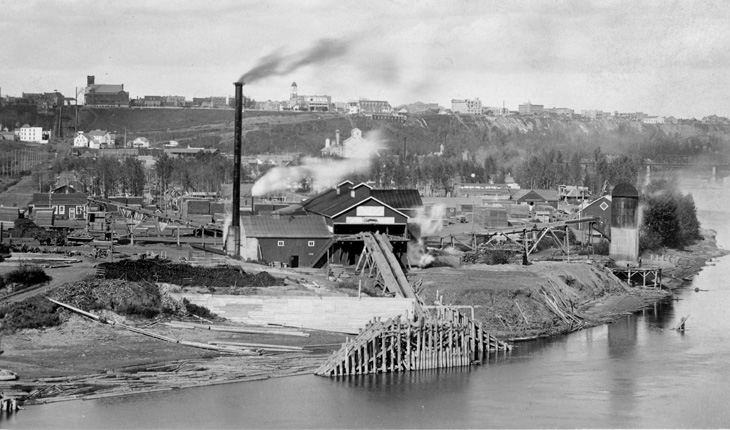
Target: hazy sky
<point>662,57</point>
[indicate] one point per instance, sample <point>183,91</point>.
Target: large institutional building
<point>104,95</point>
<point>470,107</point>
<point>308,103</point>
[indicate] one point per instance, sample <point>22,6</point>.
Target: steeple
<point>293,92</point>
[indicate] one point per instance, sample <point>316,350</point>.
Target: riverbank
<point>83,359</point>
<point>549,298</point>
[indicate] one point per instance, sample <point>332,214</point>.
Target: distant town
<point>103,95</point>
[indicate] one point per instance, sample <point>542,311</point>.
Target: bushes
<point>497,257</point>
<point>200,311</point>
<point>36,312</point>
<point>126,298</point>
<point>26,276</point>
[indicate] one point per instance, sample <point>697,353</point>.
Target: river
<point>636,372</point>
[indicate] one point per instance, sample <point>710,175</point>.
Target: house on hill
<point>26,133</point>
<point>141,142</point>
<point>81,140</point>
<point>297,241</point>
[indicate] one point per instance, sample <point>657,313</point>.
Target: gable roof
<point>41,199</point>
<point>105,88</point>
<point>597,201</point>
<point>547,195</point>
<point>329,203</point>
<point>306,226</point>
<point>322,200</point>
<point>347,208</point>
<point>399,199</point>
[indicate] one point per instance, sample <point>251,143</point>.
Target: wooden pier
<point>437,338</point>
<point>644,276</point>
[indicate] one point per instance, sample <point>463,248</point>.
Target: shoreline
<point>74,361</point>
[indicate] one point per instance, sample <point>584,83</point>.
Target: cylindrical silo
<point>625,224</point>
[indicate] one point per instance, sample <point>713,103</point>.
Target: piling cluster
<point>441,339</point>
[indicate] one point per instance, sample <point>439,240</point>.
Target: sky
<point>657,57</point>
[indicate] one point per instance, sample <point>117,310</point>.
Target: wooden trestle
<point>442,339</point>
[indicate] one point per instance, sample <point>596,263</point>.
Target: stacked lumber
<point>490,217</point>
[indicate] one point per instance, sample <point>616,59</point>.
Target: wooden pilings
<point>639,275</point>
<point>447,339</point>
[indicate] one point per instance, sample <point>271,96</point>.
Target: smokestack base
<point>233,241</point>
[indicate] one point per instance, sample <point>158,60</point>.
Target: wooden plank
<point>409,355</point>
<point>399,365</point>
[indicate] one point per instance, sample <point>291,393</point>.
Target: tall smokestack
<point>233,242</point>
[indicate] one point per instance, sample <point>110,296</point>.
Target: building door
<point>294,261</point>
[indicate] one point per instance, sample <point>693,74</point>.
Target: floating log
<point>155,335</point>
<point>257,345</point>
<point>246,330</point>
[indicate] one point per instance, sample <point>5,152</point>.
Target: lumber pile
<point>146,378</point>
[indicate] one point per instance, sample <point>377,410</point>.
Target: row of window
<point>72,211</point>
<point>281,243</point>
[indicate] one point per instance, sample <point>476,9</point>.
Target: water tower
<point>625,224</point>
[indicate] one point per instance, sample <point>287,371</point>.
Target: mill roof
<point>265,226</point>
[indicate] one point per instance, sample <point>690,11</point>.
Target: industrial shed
<point>297,241</point>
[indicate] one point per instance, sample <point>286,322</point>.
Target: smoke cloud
<point>418,255</point>
<point>429,219</point>
<point>276,64</point>
<point>323,172</point>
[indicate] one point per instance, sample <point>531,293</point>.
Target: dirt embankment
<point>547,298</point>
<point>544,298</point>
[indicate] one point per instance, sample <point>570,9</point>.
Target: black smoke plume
<point>276,64</point>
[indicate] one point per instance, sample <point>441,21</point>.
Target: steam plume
<point>276,64</point>
<point>430,220</point>
<point>324,173</point>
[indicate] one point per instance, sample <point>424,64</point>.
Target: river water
<point>636,372</point>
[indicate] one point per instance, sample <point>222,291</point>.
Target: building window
<point>62,209</point>
<point>310,243</point>
<point>280,243</point>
